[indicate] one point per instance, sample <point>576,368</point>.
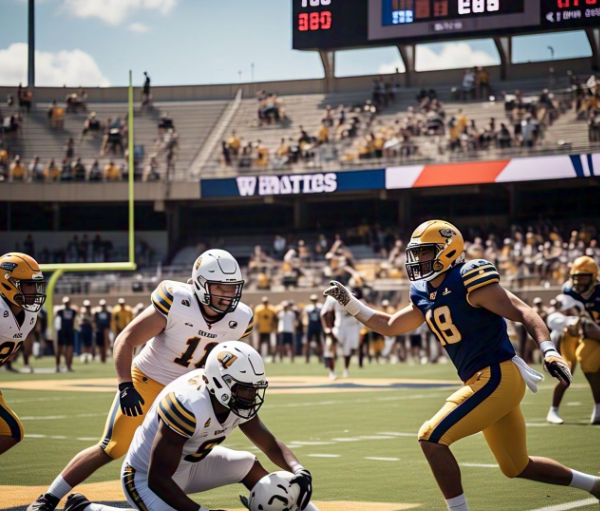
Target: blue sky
<point>95,42</point>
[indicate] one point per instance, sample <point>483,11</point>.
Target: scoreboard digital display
<point>338,24</point>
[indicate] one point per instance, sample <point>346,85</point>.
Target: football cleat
<point>45,502</point>
<point>76,502</point>
<point>554,418</point>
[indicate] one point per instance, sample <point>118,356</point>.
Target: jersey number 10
<point>185,358</point>
<point>444,329</point>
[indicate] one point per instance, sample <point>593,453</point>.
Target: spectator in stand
<point>17,170</point>
<point>483,83</point>
<point>165,123</point>
<point>66,173</point>
<point>25,98</point>
<point>279,245</point>
<point>226,153</point>
<point>51,173</point>
<point>56,116</point>
<point>79,171</point>
<point>282,154</point>
<point>70,149</point>
<point>235,144</point>
<point>323,135</point>
<point>504,138</point>
<point>146,94</point>
<point>262,155</point>
<point>95,172</point>
<point>77,101</point>
<point>36,169</point>
<point>328,119</point>
<point>4,163</point>
<point>112,172</point>
<point>468,85</point>
<point>91,125</point>
<point>321,246</point>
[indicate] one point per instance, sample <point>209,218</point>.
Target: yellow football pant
<point>488,402</point>
<point>588,356</point>
<point>119,429</point>
<point>10,425</point>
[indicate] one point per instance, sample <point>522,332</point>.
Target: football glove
<point>130,399</point>
<point>555,364</point>
<point>304,480</point>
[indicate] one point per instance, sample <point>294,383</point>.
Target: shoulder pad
<point>176,415</point>
<point>478,273</point>
<point>169,292</point>
<point>249,316</point>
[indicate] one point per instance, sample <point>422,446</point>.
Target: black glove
<point>130,399</point>
<point>304,480</point>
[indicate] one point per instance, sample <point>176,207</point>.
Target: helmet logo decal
<point>198,263</point>
<point>226,358</point>
<point>8,266</point>
<point>447,233</point>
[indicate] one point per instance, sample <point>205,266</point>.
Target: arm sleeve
<point>175,415</point>
<point>328,306</point>
<point>249,328</point>
<point>479,273</point>
<point>162,299</point>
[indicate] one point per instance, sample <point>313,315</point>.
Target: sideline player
<point>339,325</point>
<point>465,306</point>
<point>185,322</point>
<point>22,294</point>
<point>177,452</point>
<point>314,328</point>
<point>585,288</point>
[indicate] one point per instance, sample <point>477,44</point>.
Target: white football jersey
<point>11,334</point>
<point>344,321</point>
<point>185,406</point>
<point>187,339</point>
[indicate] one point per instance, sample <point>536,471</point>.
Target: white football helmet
<point>274,492</point>
<point>235,374</point>
<point>217,267</point>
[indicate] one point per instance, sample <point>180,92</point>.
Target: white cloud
<point>391,67</point>
<point>115,12</point>
<point>453,56</point>
<point>138,28</point>
<point>65,67</point>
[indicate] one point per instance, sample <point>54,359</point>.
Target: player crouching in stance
<point>22,294</point>
<point>464,306</point>
<point>183,324</point>
<point>176,452</point>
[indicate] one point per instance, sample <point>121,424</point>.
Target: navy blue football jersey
<point>592,304</point>
<point>473,337</point>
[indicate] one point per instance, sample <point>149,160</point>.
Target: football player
<point>22,294</point>
<point>339,325</point>
<point>564,324</point>
<point>177,452</point>
<point>183,324</point>
<point>585,288</point>
<point>465,307</point>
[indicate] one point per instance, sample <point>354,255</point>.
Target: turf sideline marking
<point>375,458</point>
<point>60,417</point>
<point>570,505</point>
<point>479,465</point>
<point>324,455</point>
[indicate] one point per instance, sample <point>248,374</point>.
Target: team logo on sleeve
<point>185,303</point>
<point>226,358</point>
<point>207,423</point>
<point>233,324</point>
<point>6,314</point>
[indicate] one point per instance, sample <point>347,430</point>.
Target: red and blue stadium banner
<point>416,176</point>
<point>486,172</point>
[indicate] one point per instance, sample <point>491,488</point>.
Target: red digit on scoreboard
<point>326,20</point>
<point>303,22</point>
<point>314,20</point>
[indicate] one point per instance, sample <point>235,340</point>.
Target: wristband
<point>359,310</point>
<point>547,346</point>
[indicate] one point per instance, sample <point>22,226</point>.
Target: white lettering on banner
<point>246,185</point>
<point>287,185</point>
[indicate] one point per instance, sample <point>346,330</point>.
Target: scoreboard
<point>338,24</point>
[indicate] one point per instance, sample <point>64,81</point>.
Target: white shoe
<point>595,418</point>
<point>345,373</point>
<point>554,418</point>
<point>332,376</point>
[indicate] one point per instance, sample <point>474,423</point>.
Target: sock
<point>457,503</point>
<point>100,507</point>
<point>554,409</point>
<point>596,411</point>
<point>59,488</point>
<point>583,481</point>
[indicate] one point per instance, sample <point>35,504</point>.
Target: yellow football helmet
<point>584,274</point>
<point>435,247</point>
<point>22,282</point>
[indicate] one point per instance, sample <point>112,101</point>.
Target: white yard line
<point>60,417</point>
<point>61,437</point>
<point>374,458</point>
<point>398,434</point>
<point>479,465</point>
<point>569,505</point>
<point>324,455</point>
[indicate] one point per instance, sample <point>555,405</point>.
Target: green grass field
<point>339,436</point>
